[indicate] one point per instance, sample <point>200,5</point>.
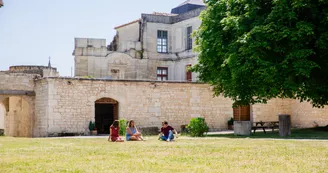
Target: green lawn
<point>313,133</point>
<point>209,154</point>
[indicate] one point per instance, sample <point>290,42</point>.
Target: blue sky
<point>33,30</point>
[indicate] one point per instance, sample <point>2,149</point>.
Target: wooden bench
<point>265,125</point>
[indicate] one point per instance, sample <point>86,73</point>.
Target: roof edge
<point>126,24</point>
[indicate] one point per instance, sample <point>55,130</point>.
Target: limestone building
<point>156,46</point>
<point>36,106</point>
<point>142,75</point>
<point>17,102</point>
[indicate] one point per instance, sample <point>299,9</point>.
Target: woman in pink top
<point>114,130</point>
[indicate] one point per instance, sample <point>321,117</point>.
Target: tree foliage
<point>255,50</point>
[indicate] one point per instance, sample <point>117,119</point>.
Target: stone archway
<point>106,111</point>
<point>18,116</point>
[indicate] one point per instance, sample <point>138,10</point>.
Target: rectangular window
<point>162,73</point>
<point>189,39</point>
<point>188,73</point>
<point>162,41</point>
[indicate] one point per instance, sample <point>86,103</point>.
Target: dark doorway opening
<point>106,111</point>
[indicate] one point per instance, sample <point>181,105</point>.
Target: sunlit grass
<point>210,154</point>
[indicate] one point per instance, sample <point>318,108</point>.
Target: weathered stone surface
<point>66,105</point>
<point>136,56</point>
<point>43,71</point>
<point>242,128</point>
<point>143,102</point>
<point>284,125</point>
<point>17,92</point>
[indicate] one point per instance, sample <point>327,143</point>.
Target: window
<point>189,39</point>
<point>162,41</point>
<point>188,73</point>
<point>162,74</point>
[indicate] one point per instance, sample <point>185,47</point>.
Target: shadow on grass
<point>313,133</point>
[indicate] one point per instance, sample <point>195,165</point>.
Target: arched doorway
<point>106,111</point>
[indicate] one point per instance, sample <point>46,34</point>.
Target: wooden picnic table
<point>265,124</point>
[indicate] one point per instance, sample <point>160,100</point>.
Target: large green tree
<point>255,50</point>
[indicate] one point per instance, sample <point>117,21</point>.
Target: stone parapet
<point>165,19</point>
<point>41,70</point>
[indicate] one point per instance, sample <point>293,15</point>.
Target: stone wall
<point>90,42</point>
<point>188,15</point>
<point>43,71</point>
<point>123,66</point>
<point>70,104</point>
<point>66,105</point>
<point>129,37</point>
<point>18,115</point>
<point>19,118</point>
<point>2,116</point>
<point>304,115</point>
<point>18,109</point>
<point>156,18</point>
<point>17,81</point>
<point>165,19</point>
<point>271,110</point>
<point>42,106</point>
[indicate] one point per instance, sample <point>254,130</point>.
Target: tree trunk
<point>284,125</point>
<point>242,113</point>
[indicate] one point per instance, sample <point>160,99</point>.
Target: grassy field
<point>209,154</point>
<point>312,133</point>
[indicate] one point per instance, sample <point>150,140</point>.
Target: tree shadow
<point>311,133</point>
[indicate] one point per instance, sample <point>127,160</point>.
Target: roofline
<point>118,80</point>
<point>89,38</point>
<point>32,66</point>
<point>186,2</point>
<point>153,18</point>
<point>126,24</point>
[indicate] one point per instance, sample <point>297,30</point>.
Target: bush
<point>91,125</point>
<point>184,129</point>
<point>123,125</point>
<point>230,122</point>
<point>197,127</point>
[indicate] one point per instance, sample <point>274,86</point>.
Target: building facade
<point>157,46</point>
<point>35,106</point>
<point>142,75</point>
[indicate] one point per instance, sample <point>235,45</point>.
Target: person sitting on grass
<point>167,132</point>
<point>132,133</point>
<point>113,132</point>
<point>160,132</point>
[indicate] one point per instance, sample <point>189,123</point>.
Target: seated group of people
<point>132,133</point>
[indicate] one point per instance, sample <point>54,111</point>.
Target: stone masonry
<point>66,105</point>
<point>17,110</point>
